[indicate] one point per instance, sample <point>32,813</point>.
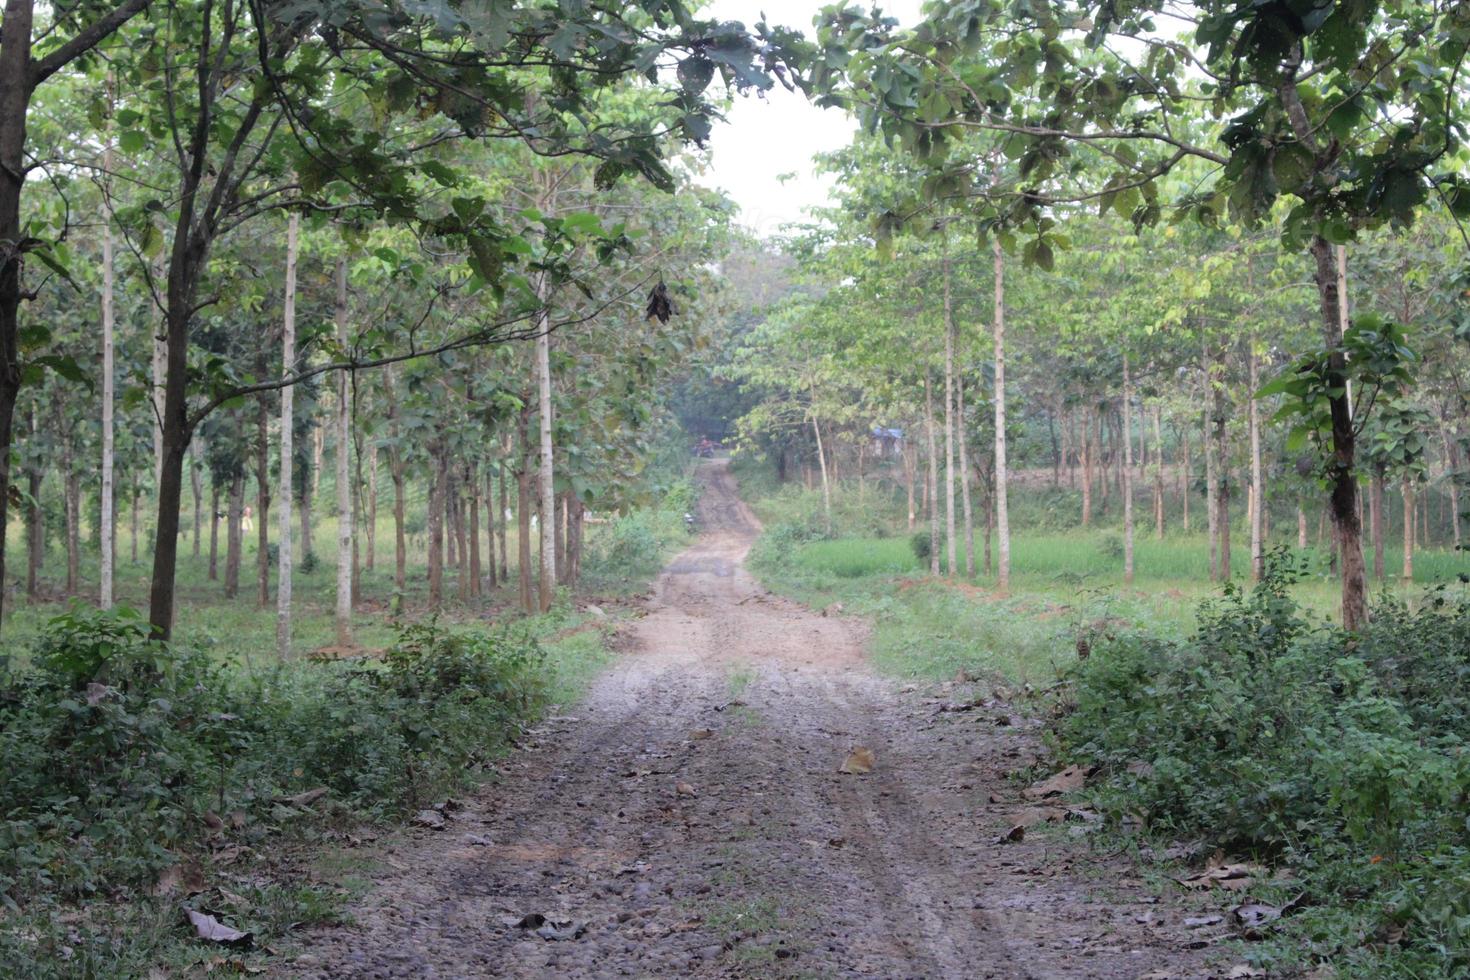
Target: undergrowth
<point>1341,757</point>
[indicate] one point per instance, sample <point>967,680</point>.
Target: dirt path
<point>690,821</point>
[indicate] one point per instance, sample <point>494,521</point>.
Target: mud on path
<point>689,820</point>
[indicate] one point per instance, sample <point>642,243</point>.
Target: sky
<point>765,138</point>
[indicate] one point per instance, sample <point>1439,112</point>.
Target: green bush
<point>1269,734</point>
<point>113,747</point>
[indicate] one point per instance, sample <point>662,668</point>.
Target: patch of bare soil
<point>690,820</point>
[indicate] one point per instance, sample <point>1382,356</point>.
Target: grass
<point>1063,584</point>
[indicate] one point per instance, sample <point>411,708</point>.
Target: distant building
<point>887,442</point>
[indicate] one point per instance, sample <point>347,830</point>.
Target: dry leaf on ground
<point>1219,873</point>
<point>212,930</point>
<point>185,878</point>
<point>859,762</point>
<point>1069,780</point>
<point>685,789</point>
<point>432,819</point>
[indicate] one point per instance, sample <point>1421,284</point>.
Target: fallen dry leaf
<point>212,930</point>
<point>1013,836</point>
<point>1218,873</point>
<point>859,762</point>
<point>1069,780</point>
<point>184,878</point>
<point>685,789</point>
<point>1031,816</point>
<point>700,734</point>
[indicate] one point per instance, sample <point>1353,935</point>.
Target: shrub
<point>1268,733</point>
<point>921,542</point>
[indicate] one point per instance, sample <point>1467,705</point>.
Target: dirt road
<point>689,820</point>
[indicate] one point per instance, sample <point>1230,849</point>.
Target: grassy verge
<point>138,782</point>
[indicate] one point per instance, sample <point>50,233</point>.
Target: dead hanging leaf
<point>432,819</point>
<point>1219,873</point>
<point>859,762</point>
<point>660,306</point>
<point>1069,780</point>
<point>184,878</point>
<point>685,789</point>
<point>212,930</point>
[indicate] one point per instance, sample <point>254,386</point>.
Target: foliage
<point>1269,733</point>
<point>114,747</point>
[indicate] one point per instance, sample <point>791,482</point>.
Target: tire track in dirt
<point>775,864</point>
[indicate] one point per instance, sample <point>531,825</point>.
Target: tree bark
<point>472,490</point>
<point>1343,498</point>
<point>1375,518</point>
<point>233,535</point>
<point>965,479</point>
<point>342,617</point>
<point>1212,484</point>
<point>107,531</point>
<point>523,513</point>
<point>1002,475</point>
<point>502,519</point>
<point>1158,472</point>
<point>1409,518</point>
<point>932,488</point>
<point>71,489</point>
<point>1125,415</point>
<point>822,463</point>
<point>1258,474</point>
<point>438,487</point>
<point>263,500</point>
<point>950,543</point>
<point>196,488</point>
<point>284,558</point>
<point>213,531</point>
<point>372,507</point>
<point>1087,461</point>
<point>548,465</point>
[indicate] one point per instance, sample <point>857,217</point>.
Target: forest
<point>442,537</point>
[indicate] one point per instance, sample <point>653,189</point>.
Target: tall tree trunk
<point>372,506</point>
<point>1002,474</point>
<point>107,531</point>
<point>523,513</point>
<point>438,490</point>
<point>342,617</point>
<point>472,490</point>
<point>1186,473</point>
<point>1343,499</point>
<point>548,464</point>
<point>932,489</point>
<point>1212,485</point>
<point>502,518</point>
<point>563,519</point>
<point>396,471</point>
<point>965,478</point>
<point>358,506</point>
<point>1408,530</point>
<point>284,566</point>
<point>461,538</point>
<point>1125,415</point>
<point>1375,518</point>
<point>575,538</point>
<point>196,487</point>
<point>1452,468</point>
<point>233,535</point>
<point>263,499</point>
<point>35,518</point>
<point>910,471</point>
<point>822,462</point>
<point>1159,472</point>
<point>71,496</point>
<point>133,517</point>
<point>490,523</point>
<point>451,511</point>
<point>213,531</point>
<point>950,544</point>
<point>1222,469</point>
<point>1258,474</point>
<point>1301,524</point>
<point>1087,461</point>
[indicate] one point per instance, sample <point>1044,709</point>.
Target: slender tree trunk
<point>461,537</point>
<point>910,472</point>
<point>965,479</point>
<point>950,543</point>
<point>523,514</point>
<point>284,558</point>
<point>1002,475</point>
<point>233,535</point>
<point>372,506</point>
<point>822,462</point>
<point>263,500</point>
<point>1212,488</point>
<point>1222,469</point>
<point>575,531</point>
<point>1375,518</point>
<point>490,524</point>
<point>396,470</point>
<point>472,490</point>
<point>451,537</point>
<point>548,466</point>
<point>1301,524</point>
<point>933,484</point>
<point>1452,468</point>
<point>503,520</point>
<point>1343,499</point>
<point>1158,472</point>
<point>35,518</point>
<point>107,532</point>
<point>342,618</point>
<point>358,483</point>
<point>1258,475</point>
<point>438,487</point>
<point>196,488</point>
<point>71,493</point>
<point>1408,530</point>
<point>1087,461</point>
<point>133,518</point>
<point>213,531</point>
<point>1186,473</point>
<point>1125,413</point>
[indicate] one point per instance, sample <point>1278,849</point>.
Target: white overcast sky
<point>766,138</point>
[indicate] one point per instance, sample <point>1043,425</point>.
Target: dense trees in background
<point>250,211</point>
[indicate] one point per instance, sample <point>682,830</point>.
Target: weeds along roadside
<point>138,780</point>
